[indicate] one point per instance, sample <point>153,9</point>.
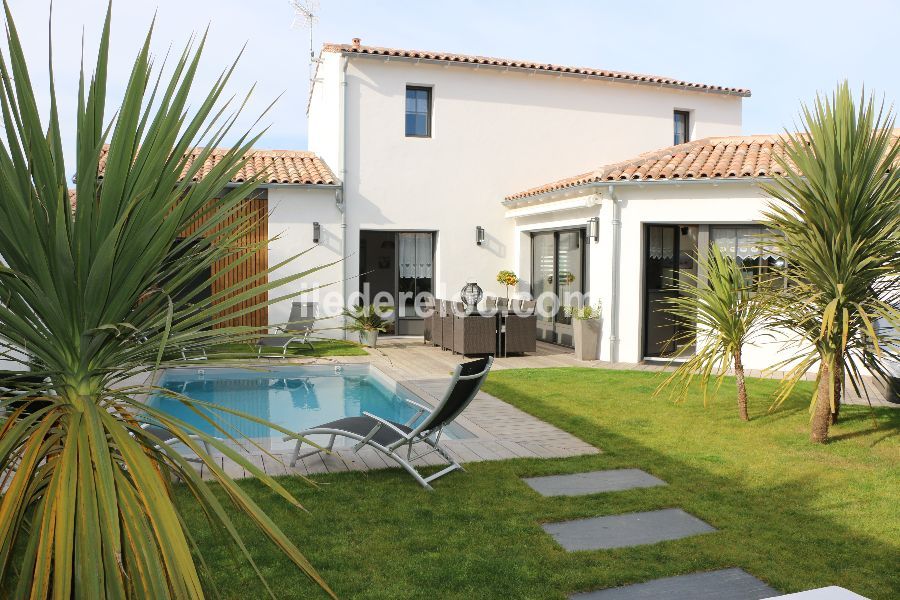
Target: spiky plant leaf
<point>837,210</point>
<point>102,293</point>
<point>725,313</point>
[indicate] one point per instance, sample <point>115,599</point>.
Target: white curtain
<point>662,243</point>
<point>424,254</point>
<point>415,255</point>
<point>744,242</point>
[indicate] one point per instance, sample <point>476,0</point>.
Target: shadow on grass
<point>796,516</point>
<point>771,519</point>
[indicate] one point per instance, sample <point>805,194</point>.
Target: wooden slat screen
<point>256,208</point>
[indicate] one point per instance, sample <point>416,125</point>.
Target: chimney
<point>356,42</point>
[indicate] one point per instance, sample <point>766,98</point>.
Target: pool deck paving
<point>499,430</point>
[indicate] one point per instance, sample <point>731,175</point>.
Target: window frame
<point>686,114</point>
<point>429,90</point>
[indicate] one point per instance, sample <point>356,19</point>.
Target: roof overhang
<point>572,194</point>
<point>538,71</point>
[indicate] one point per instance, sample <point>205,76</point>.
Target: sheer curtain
<point>416,256</point>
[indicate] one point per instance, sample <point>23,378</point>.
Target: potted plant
<point>507,278</point>
<point>367,320</point>
<point>586,329</point>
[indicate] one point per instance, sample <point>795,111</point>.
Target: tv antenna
<point>305,15</point>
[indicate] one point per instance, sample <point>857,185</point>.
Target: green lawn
<point>320,348</point>
<point>795,515</point>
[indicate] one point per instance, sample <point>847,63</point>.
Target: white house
<point>416,161</point>
<point>427,144</point>
<point>653,214</point>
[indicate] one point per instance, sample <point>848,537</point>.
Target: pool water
<point>293,397</point>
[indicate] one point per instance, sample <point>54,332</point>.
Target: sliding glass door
<point>557,280</point>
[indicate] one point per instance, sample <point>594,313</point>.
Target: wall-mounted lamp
<point>479,235</point>
<point>594,229</point>
<point>317,232</point>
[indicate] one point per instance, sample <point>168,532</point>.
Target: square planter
<point>587,338</point>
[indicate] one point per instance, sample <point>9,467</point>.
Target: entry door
<point>669,252</point>
<point>557,276</point>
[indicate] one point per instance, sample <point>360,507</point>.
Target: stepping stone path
<point>593,483</point>
<point>727,584</point>
<point>633,529</point>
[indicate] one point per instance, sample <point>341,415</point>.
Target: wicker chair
<point>447,325</point>
<point>428,320</point>
<point>474,334</point>
<point>521,333</point>
<point>437,328</point>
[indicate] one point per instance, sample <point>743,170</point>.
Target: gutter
<point>269,186</point>
<point>616,263</point>
<point>597,186</point>
<point>342,176</point>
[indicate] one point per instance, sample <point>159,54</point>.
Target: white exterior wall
<point>292,212</point>
<point>324,111</point>
<point>494,132</point>
<point>703,203</point>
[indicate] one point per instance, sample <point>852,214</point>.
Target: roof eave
<point>682,87</point>
<point>582,188</point>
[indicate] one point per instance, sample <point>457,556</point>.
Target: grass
<point>797,516</point>
<point>320,348</point>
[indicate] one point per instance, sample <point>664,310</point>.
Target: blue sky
<point>784,51</point>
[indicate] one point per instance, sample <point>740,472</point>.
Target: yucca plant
<point>101,293</point>
<point>725,314</point>
<point>837,210</point>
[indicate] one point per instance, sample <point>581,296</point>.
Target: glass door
<point>669,251</point>
<point>557,279</point>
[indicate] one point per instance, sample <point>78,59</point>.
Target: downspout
<point>342,174</point>
<point>616,266</point>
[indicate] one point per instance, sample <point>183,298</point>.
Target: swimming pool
<point>295,397</point>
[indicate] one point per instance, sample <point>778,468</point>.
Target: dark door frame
<point>676,253</point>
<point>395,292</point>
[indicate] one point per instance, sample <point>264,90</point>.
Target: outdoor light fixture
<point>479,235</point>
<point>317,232</point>
<point>594,229</point>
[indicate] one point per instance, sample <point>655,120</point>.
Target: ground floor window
<point>754,250</point>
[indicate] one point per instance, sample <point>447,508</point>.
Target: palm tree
<point>99,293</point>
<point>837,211</point>
<point>725,313</point>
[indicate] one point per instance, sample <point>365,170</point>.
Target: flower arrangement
<point>583,312</point>
<point>507,278</point>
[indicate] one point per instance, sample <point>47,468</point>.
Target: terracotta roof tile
<point>356,48</point>
<point>709,158</point>
<point>296,167</point>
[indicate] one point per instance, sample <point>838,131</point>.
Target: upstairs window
<point>418,111</point>
<point>682,127</point>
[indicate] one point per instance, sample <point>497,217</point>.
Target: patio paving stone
<point>632,529</point>
<point>726,584</point>
<point>594,482</point>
